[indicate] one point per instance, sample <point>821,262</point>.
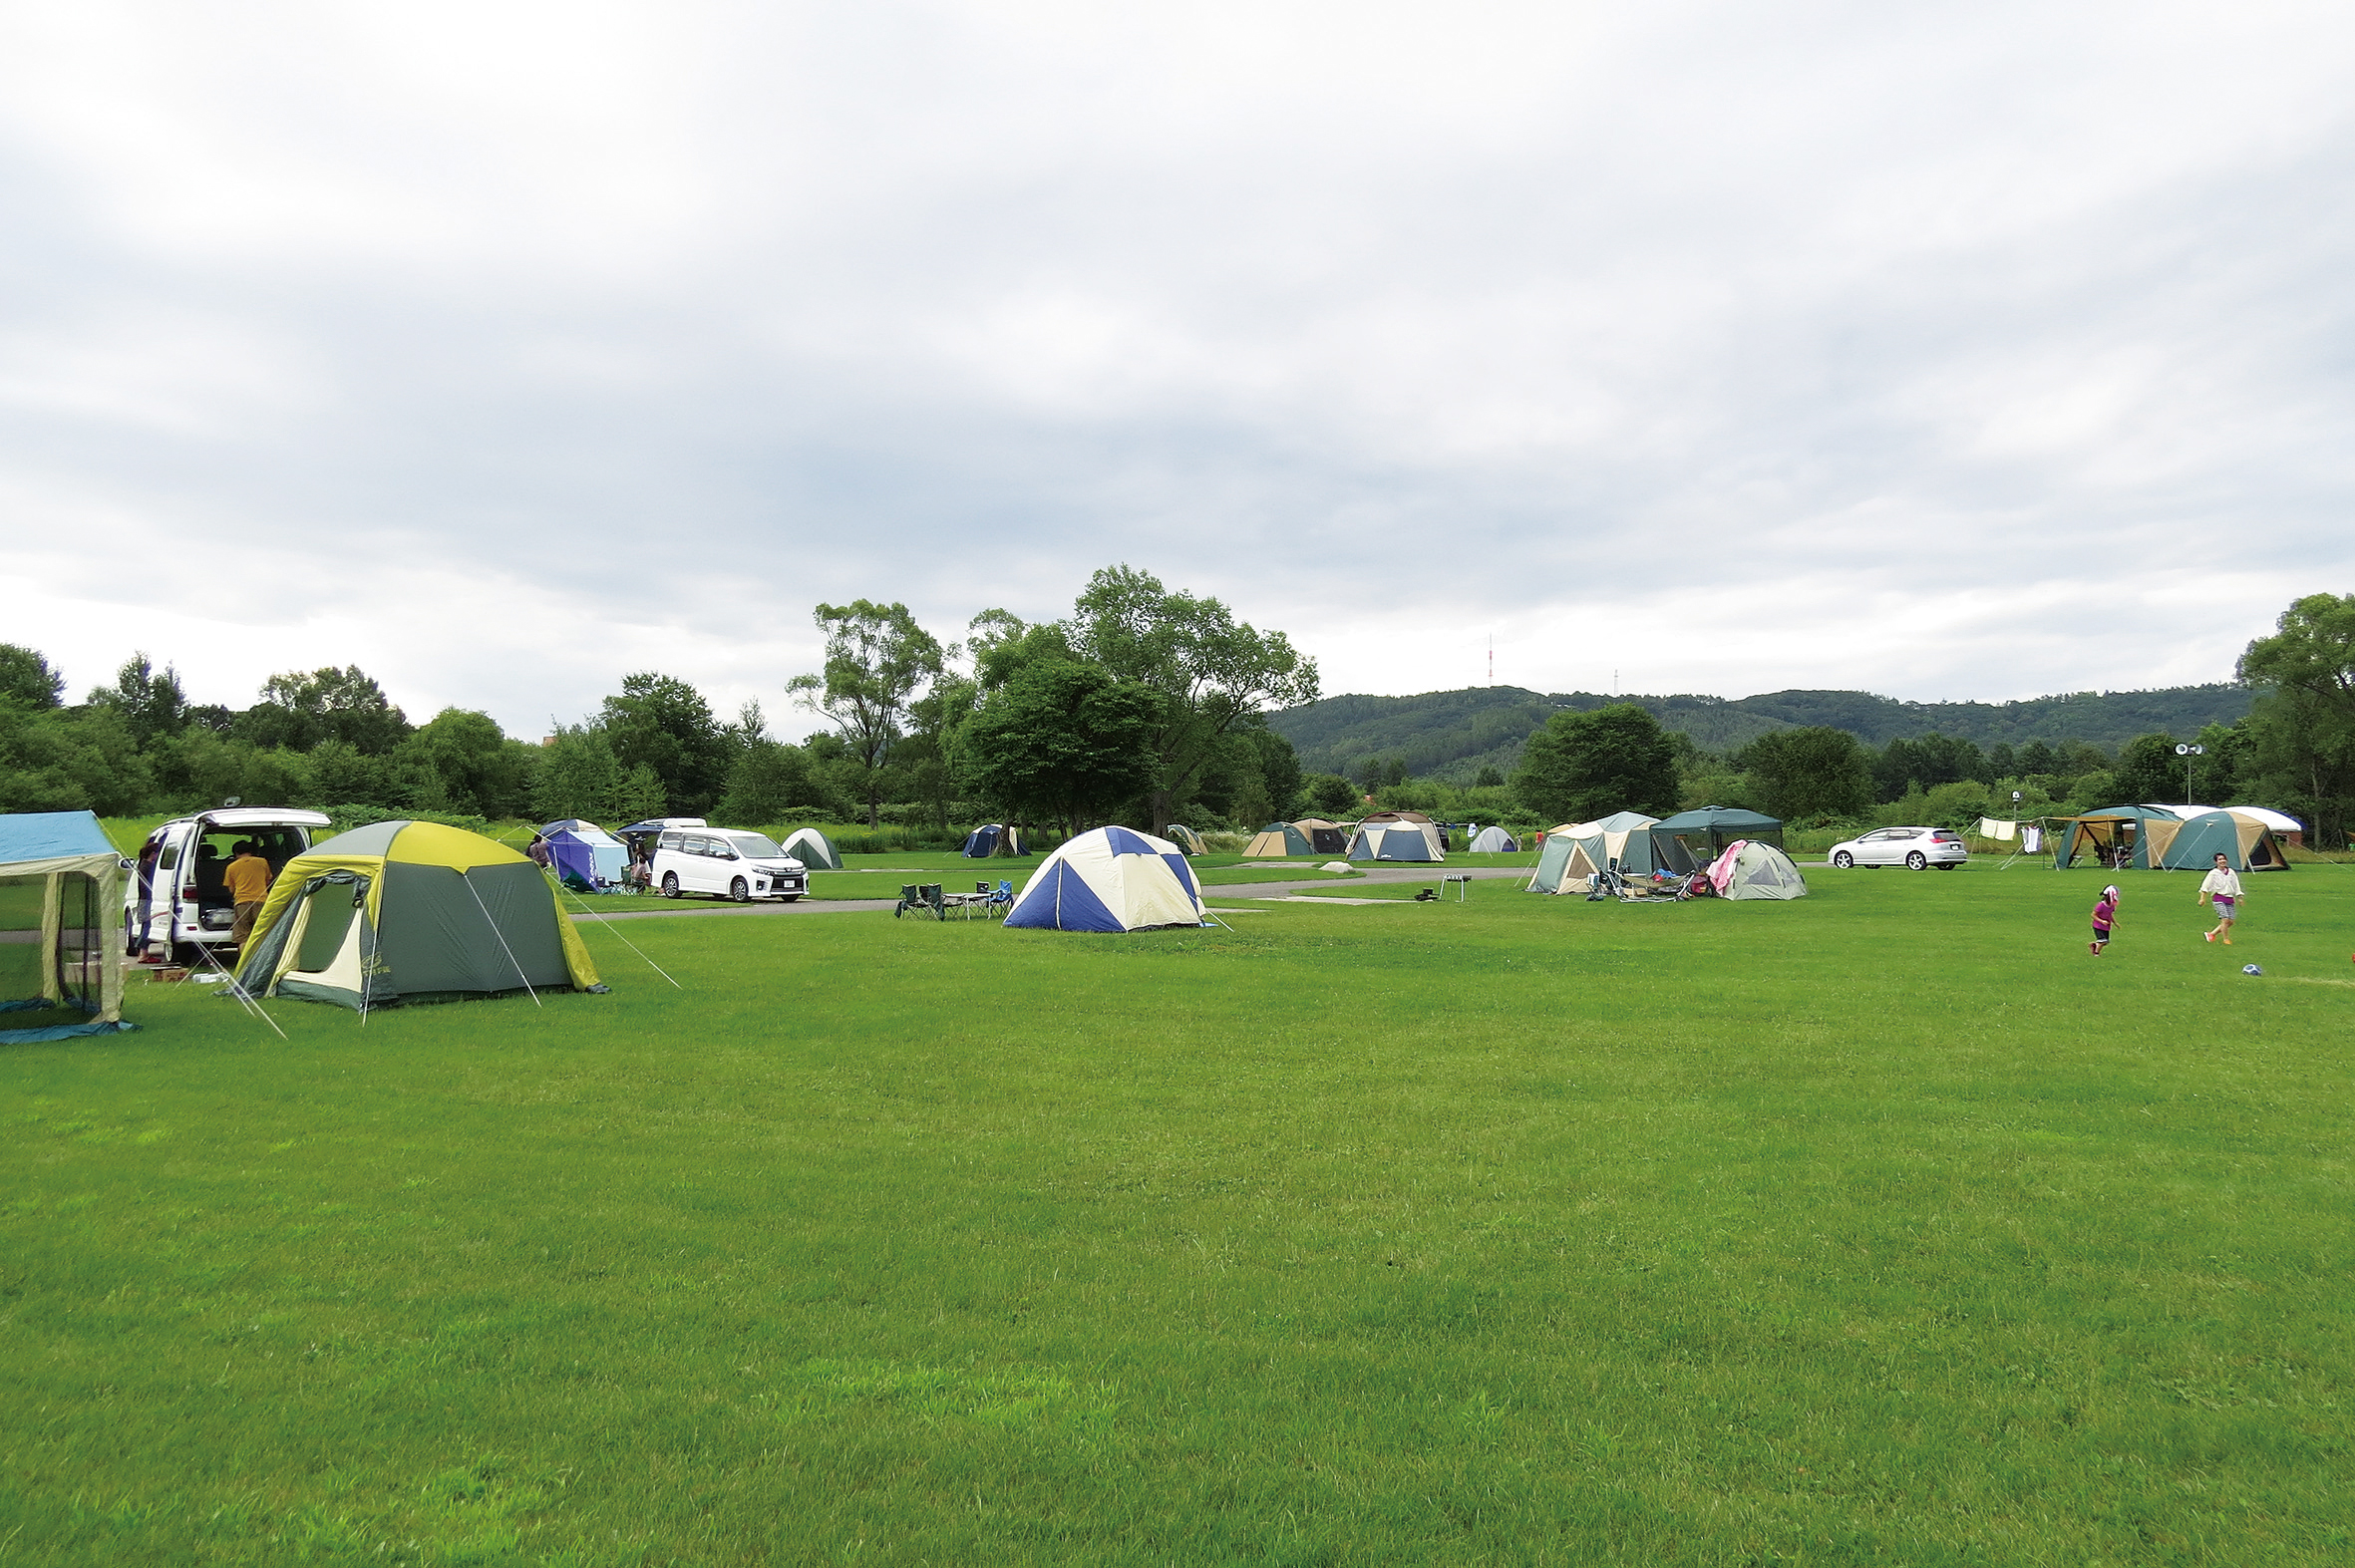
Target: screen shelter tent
<point>1187,839</point>
<point>1576,851</point>
<point>1749,870</point>
<point>1692,839</point>
<point>993,839</point>
<point>1110,879</point>
<point>1311,836</point>
<point>2117,837</point>
<point>584,857</point>
<point>412,912</point>
<point>1492,841</point>
<point>61,896</point>
<point>813,850</point>
<point>1398,835</point>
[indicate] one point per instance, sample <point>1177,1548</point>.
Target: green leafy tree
<point>56,761</point>
<point>343,774</point>
<point>466,765</point>
<point>2304,726</point>
<point>641,796</point>
<point>2038,760</point>
<point>1488,778</point>
<point>877,659</point>
<point>1583,766</point>
<point>2149,772</point>
<point>768,780</point>
<point>26,678</point>
<point>150,702</point>
<point>1809,774</point>
<point>578,776</point>
<point>301,708</point>
<point>1064,743</point>
<point>663,722</point>
<point>1928,761</point>
<point>1213,672</point>
<point>1330,795</point>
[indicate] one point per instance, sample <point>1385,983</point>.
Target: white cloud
<point>1961,353</point>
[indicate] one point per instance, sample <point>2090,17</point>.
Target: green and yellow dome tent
<point>411,912</point>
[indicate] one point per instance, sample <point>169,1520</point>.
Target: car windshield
<point>756,846</point>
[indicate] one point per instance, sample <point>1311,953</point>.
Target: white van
<point>175,902</point>
<point>732,862</point>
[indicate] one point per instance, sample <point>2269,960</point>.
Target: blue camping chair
<point>1002,899</point>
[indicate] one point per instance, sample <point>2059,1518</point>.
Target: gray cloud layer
<point>503,349</point>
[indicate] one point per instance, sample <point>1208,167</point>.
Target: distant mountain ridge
<point>1453,735</point>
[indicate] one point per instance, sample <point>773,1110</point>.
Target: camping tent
<point>2113,837</point>
<point>1577,850</point>
<point>1749,870</point>
<point>1311,836</point>
<point>1492,841</point>
<point>813,850</point>
<point>1187,839</point>
<point>995,838</point>
<point>2194,844</point>
<point>411,912</point>
<point>1110,879</point>
<point>61,892</point>
<point>1397,835</point>
<point>1691,839</point>
<point>583,853</point>
<point>2286,829</point>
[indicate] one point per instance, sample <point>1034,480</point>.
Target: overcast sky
<point>1946,352</point>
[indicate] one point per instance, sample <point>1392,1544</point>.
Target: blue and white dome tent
<point>1110,879</point>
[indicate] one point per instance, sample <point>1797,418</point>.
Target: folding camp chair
<point>925,900</point>
<point>1001,901</point>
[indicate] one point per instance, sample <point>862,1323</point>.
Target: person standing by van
<point>2222,890</point>
<point>248,877</point>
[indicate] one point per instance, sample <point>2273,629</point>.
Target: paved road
<point>633,908</point>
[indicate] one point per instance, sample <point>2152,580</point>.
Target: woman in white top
<point>2222,889</point>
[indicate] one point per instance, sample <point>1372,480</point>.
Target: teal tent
<point>1691,839</point>
<point>61,895</point>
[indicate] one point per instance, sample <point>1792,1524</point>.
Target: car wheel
<point>670,884</point>
<point>739,891</point>
<point>1949,866</point>
<point>1844,861</point>
<point>790,898</point>
<point>1917,861</point>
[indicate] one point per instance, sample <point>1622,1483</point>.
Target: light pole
<point>2187,752</point>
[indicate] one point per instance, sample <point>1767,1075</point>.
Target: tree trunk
<point>1163,806</point>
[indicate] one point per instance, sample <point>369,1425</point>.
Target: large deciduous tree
<point>877,659</point>
<point>2304,726</point>
<point>661,723</point>
<point>1581,765</point>
<point>301,708</point>
<point>1064,742</point>
<point>150,702</point>
<point>1809,774</point>
<point>1212,671</point>
<point>26,678</point>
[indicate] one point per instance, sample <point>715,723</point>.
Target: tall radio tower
<point>1492,658</point>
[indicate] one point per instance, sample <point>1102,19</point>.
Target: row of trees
<point>2295,752</point>
<point>1144,705</point>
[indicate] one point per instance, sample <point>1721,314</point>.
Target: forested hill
<point>1445,735</point>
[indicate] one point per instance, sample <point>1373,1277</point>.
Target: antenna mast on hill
<point>1492,658</point>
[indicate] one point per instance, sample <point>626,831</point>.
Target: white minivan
<point>175,902</point>
<point>733,863</point>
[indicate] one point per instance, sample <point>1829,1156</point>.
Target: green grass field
<point>1888,1226</point>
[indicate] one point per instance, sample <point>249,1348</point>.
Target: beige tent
<point>1575,852</point>
<point>1311,836</point>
